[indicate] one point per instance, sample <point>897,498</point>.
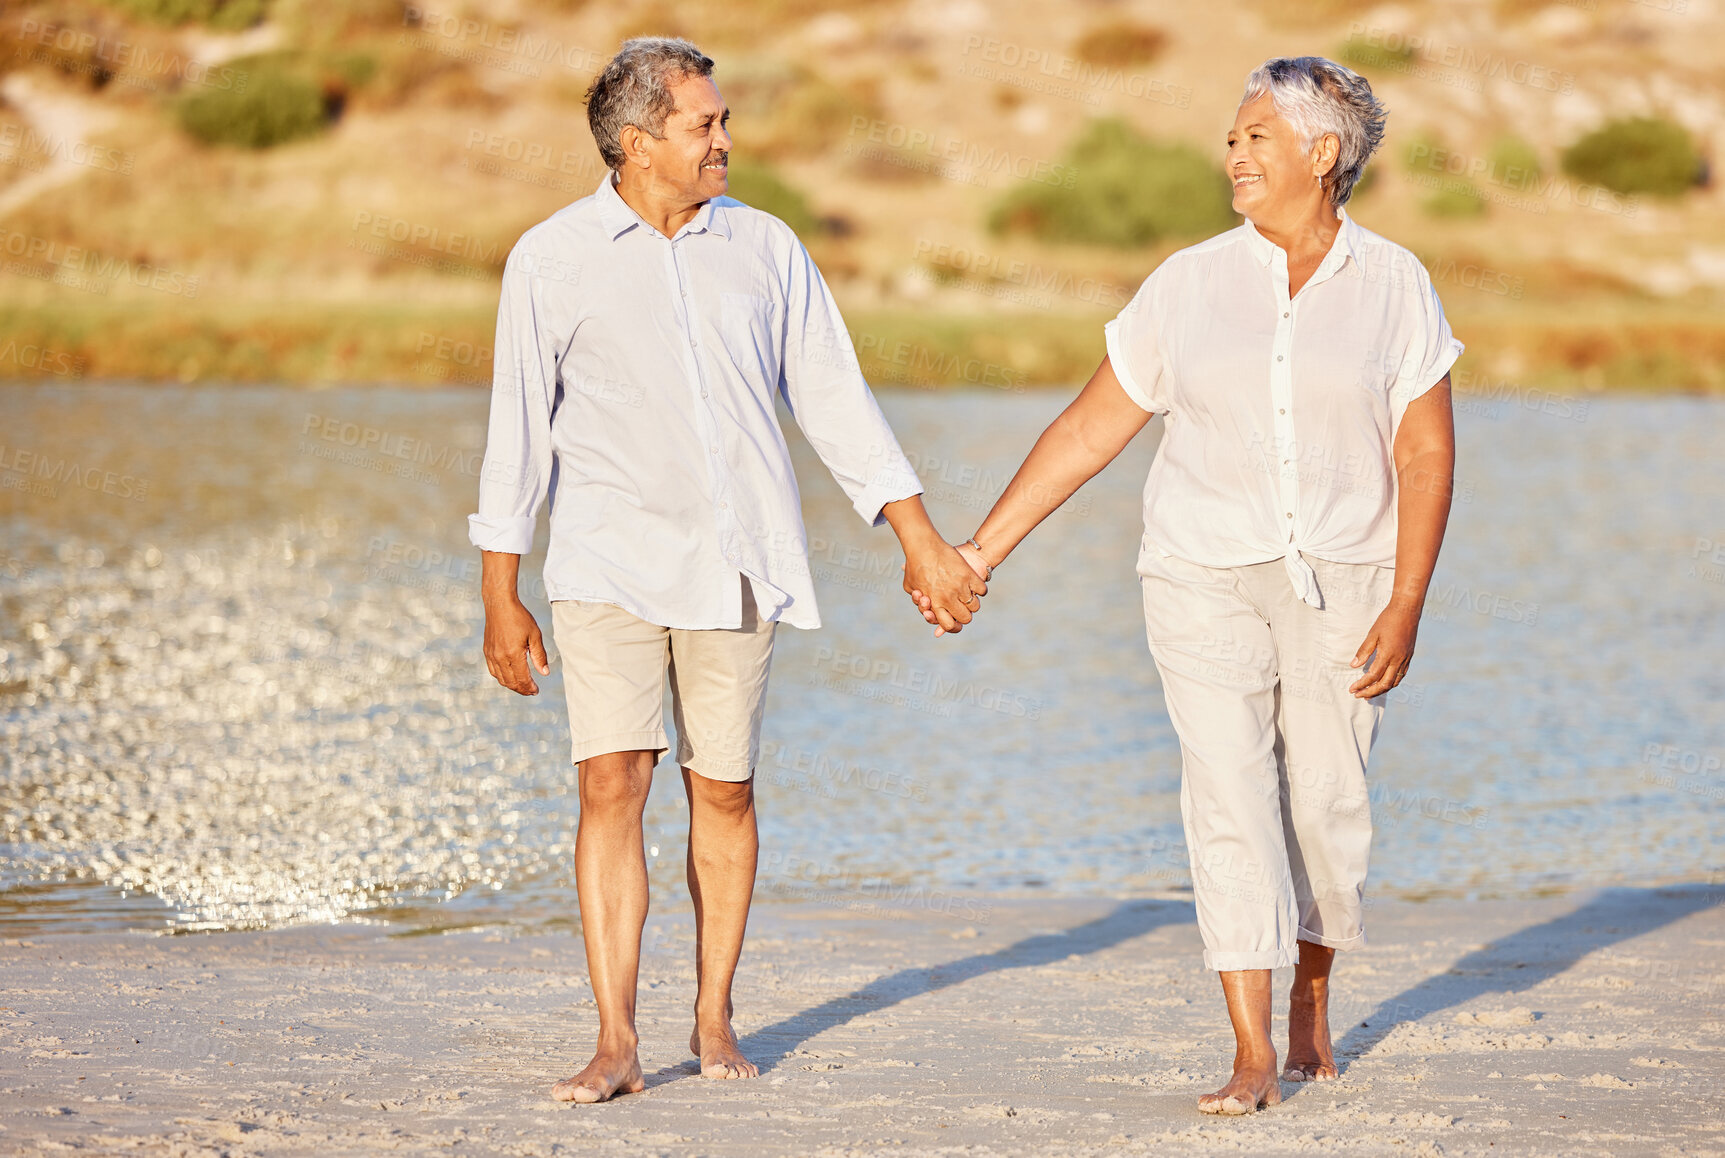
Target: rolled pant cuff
<point>587,747</point>
<point>1260,959</point>
<point>1353,942</point>
<point>730,772</point>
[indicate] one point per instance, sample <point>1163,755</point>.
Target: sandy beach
<point>1587,1023</point>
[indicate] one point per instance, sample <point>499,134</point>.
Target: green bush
<point>1514,163</point>
<point>1424,150</point>
<point>1456,197</point>
<point>1124,191</point>
<point>1638,155</point>
<point>1368,179</point>
<point>275,106</point>
<point>754,183</point>
<point>230,15</point>
<point>1357,53</point>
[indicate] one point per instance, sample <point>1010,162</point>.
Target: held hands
<point>511,637</point>
<point>1390,647</point>
<point>945,585</point>
<point>973,580</point>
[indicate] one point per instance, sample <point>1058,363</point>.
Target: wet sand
<point>1588,1023</point>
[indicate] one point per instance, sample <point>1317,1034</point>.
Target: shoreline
<point>1561,352</point>
<point>1589,1022</point>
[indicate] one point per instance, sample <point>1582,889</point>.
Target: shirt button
<point>1290,514</point>
<point>1284,312</point>
<point>724,506</point>
<point>703,392</point>
<point>715,448</point>
<point>1281,412</point>
<point>1278,357</point>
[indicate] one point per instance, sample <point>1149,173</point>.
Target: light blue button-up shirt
<point>634,384</point>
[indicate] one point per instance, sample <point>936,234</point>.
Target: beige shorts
<point>614,671</point>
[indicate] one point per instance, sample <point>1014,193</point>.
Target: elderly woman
<point>1291,523</point>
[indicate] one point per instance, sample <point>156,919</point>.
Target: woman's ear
<point>1324,155</point>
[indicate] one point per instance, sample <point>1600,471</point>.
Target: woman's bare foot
<point>1309,1056</point>
<point>720,1057</point>
<point>1254,1083</point>
<point>1252,1087</point>
<point>612,1071</point>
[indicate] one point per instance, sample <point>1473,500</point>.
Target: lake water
<point>240,681</point>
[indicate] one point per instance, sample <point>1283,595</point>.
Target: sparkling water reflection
<point>240,684</point>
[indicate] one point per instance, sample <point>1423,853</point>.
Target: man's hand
<point>511,637</point>
<point>978,565</point>
<point>1390,647</point>
<point>932,566</point>
<point>945,587</point>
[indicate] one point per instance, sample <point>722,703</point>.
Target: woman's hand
<point>1390,647</point>
<point>955,587</point>
<point>924,604</point>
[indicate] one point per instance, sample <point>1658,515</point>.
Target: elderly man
<point>642,337</point>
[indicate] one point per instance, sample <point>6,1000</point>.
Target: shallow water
<point>240,683</point>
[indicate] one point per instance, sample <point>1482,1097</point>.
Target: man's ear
<point>633,142</point>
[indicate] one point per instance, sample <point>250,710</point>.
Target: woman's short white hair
<point>1319,96</point>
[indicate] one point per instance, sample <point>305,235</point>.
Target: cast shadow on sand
<point>1521,960</point>
<point>767,1046</point>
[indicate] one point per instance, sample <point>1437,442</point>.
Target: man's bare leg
<point>723,845</point>
<point>611,884</point>
<point>1309,1055</point>
<point>1254,1083</point>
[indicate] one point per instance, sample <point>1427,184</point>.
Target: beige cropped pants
<point>1273,748</point>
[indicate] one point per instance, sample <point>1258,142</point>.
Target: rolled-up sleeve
<point>824,388</point>
<point>1430,350</point>
<point>1135,348</point>
<point>516,474</point>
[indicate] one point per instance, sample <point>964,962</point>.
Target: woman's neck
<point>1306,234</point>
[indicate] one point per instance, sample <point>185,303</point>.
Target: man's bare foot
<point>1252,1087</point>
<point>1309,1055</point>
<point>612,1071</point>
<point>720,1057</point>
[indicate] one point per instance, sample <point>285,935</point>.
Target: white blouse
<point>1281,414</point>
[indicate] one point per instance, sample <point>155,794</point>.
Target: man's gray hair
<point>1319,96</point>
<point>635,89</point>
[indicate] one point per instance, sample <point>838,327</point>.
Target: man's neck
<point>659,207</point>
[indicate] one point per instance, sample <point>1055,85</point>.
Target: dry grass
<point>1654,349</point>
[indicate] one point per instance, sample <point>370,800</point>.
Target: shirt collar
<point>1345,246</point>
<point>617,218</point>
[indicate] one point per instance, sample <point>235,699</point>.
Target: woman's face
<point>1270,172</point>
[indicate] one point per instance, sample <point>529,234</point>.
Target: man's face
<point>692,158</point>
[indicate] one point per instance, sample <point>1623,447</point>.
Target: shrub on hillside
<point>230,15</point>
<point>1514,163</point>
<point>1455,197</point>
<point>1638,155</point>
<point>755,183</point>
<point>1361,53</point>
<point>1124,191</point>
<point>275,106</point>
